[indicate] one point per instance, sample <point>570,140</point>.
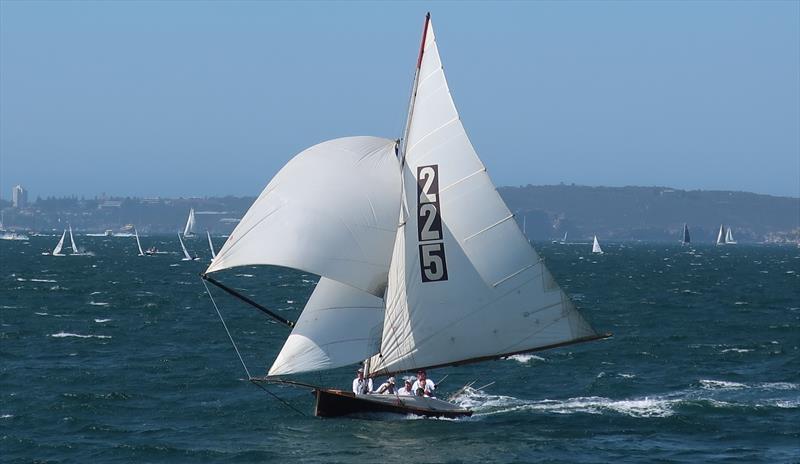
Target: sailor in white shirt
<point>423,386</point>
<point>406,389</point>
<point>361,386</point>
<point>387,387</point>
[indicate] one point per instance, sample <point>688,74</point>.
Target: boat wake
<point>706,394</point>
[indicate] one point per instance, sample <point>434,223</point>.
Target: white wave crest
<point>721,385</point>
<point>98,303</point>
<point>100,321</point>
<point>68,334</point>
<point>525,358</point>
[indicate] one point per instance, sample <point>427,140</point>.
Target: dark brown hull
<point>334,403</point>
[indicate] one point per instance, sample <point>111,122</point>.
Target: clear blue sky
<point>210,98</point>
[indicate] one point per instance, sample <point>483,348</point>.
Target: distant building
<point>19,196</point>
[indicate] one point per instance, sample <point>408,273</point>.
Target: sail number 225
<point>429,225</point>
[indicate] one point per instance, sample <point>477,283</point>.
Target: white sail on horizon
<point>75,250</point>
<point>189,230</point>
<point>729,237</point>
<point>186,255</point>
<point>138,243</point>
<point>596,246</point>
<point>211,246</point>
<point>721,235</point>
<point>59,245</point>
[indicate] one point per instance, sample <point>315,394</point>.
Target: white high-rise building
<point>19,196</point>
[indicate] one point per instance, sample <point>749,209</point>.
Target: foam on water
<point>68,334</point>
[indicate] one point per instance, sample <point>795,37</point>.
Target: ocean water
<point>119,358</point>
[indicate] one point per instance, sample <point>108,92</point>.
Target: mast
<point>404,140</point>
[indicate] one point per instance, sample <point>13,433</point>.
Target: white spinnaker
<point>75,250</point>
<point>60,244</point>
<point>340,325</point>
<point>138,243</point>
<point>499,297</point>
<point>332,211</point>
<point>190,221</point>
<point>186,256</point>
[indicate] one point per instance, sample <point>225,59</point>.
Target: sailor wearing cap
<point>406,389</point>
<point>361,386</point>
<point>387,387</point>
<point>423,386</point>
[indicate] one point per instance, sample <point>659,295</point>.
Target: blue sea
<point>115,358</point>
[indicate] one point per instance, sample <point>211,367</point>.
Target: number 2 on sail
<point>432,262</point>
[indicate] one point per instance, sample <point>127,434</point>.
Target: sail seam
<point>483,169</point>
<point>490,227</point>
<point>515,274</point>
<point>433,132</point>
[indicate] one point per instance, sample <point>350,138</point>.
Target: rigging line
<point>227,331</point>
<point>232,292</point>
<point>286,403</point>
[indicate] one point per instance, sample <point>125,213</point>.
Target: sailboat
<point>686,239</point>
<point>729,237</point>
<point>57,250</point>
<point>721,235</point>
<point>211,246</point>
<point>138,243</point>
<point>186,255</point>
<point>189,231</point>
<point>563,240</point>
<point>421,263</point>
<point>596,246</point>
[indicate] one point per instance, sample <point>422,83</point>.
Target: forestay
<point>332,211</point>
<point>464,282</point>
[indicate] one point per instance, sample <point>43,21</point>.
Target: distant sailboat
<point>138,243</point>
<point>60,245</point>
<point>596,246</point>
<point>189,231</point>
<point>686,239</point>
<point>729,237</point>
<point>186,256</point>
<point>211,245</point>
<point>721,235</point>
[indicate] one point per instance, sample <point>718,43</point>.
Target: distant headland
<point>547,211</point>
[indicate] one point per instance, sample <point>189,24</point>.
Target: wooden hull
<point>334,403</point>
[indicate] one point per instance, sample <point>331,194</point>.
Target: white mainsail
<point>60,245</point>
<point>75,250</point>
<point>332,211</point>
<point>186,256</point>
<point>211,245</point>
<point>596,246</point>
<point>138,243</point>
<point>721,235</point>
<point>464,283</point>
<point>189,231</point>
